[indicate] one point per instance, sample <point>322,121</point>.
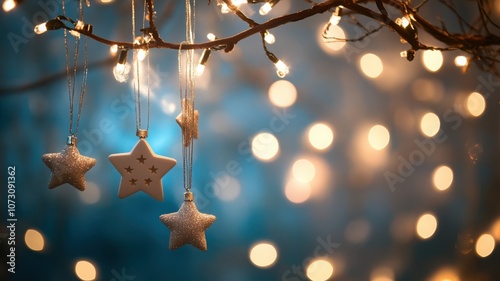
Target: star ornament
<point>188,225</point>
<point>68,166</point>
<point>141,170</point>
<point>188,121</point>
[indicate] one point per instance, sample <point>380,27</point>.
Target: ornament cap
<point>71,140</point>
<point>188,196</point>
<point>142,133</point>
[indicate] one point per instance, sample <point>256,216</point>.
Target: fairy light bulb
<point>122,60</point>
<point>265,9</point>
<point>9,5</point>
<point>336,16</point>
<point>200,68</point>
<point>141,54</point>
<point>41,28</point>
<point>239,2</point>
<point>281,69</point>
<point>113,49</point>
<point>224,8</point>
<point>269,37</point>
<point>211,37</point>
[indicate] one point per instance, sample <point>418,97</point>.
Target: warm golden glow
<point>319,270</point>
<point>485,245</point>
<point>282,93</point>
<point>85,270</point>
<point>430,124</point>
<point>331,41</point>
<point>297,192</point>
<point>433,60</point>
<point>445,274</point>
<point>265,147</point>
<point>426,226</point>
<point>461,61</point>
<point>8,5</point>
<point>476,104</point>
<point>442,177</point>
<point>320,136</point>
<point>34,240</point>
<point>378,137</point>
<point>304,170</point>
<point>263,254</point>
<point>495,229</point>
<point>371,65</point>
<point>382,274</point>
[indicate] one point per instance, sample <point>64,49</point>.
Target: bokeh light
<point>430,124</point>
<point>378,137</point>
<point>319,270</point>
<point>476,104</point>
<point>282,93</point>
<point>320,136</point>
<point>485,245</point>
<point>442,177</point>
<point>426,226</point>
<point>495,229</point>
<point>371,65</point>
<point>85,270</point>
<point>297,192</point>
<point>303,170</point>
<point>460,61</point>
<point>92,193</point>
<point>229,188</point>
<point>357,231</point>
<point>34,240</point>
<point>445,274</point>
<point>382,274</point>
<point>331,41</point>
<point>433,60</point>
<point>263,254</point>
<point>265,146</point>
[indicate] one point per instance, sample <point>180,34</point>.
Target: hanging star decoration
<point>188,225</point>
<point>68,166</point>
<point>141,169</point>
<point>189,127</point>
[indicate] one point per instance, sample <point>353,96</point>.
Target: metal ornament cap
<point>142,133</point>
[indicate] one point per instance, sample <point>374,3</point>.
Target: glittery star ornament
<point>68,166</point>
<point>188,225</point>
<point>189,127</point>
<point>141,170</point>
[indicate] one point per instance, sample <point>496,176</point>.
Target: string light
<point>281,68</point>
<point>113,49</point>
<point>52,24</point>
<point>266,8</point>
<point>211,37</point>
<point>461,61</point>
<point>203,60</point>
<point>224,8</point>
<point>141,40</point>
<point>269,37</point>
<point>121,70</point>
<point>9,5</point>
<point>336,16</point>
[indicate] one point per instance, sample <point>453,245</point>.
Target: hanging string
<point>187,97</point>
<point>71,75</point>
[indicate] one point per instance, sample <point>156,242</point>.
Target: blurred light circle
<point>34,240</point>
<point>485,245</point>
<point>263,254</point>
<point>445,274</point>
<point>297,192</point>
<point>378,137</point>
<point>320,136</point>
<point>85,270</point>
<point>282,93</point>
<point>304,170</point>
<point>332,40</point>
<point>430,124</point>
<point>265,146</point>
<point>357,231</point>
<point>476,104</point>
<point>230,190</point>
<point>442,177</point>
<point>371,65</point>
<point>382,274</point>
<point>426,226</point>
<point>461,61</point>
<point>319,270</point>
<point>433,60</point>
<point>495,229</point>
<point>92,193</point>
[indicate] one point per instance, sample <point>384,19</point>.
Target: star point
<point>68,166</point>
<point>187,226</point>
<point>135,169</point>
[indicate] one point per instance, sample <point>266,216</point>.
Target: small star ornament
<point>68,166</point>
<point>188,121</point>
<point>188,225</point>
<point>141,169</point>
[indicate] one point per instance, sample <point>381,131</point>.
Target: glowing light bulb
<point>281,69</point>
<point>141,54</point>
<point>211,37</point>
<point>265,9</point>
<point>224,8</point>
<point>239,2</point>
<point>335,18</point>
<point>269,37</point>
<point>203,60</point>
<point>9,5</point>
<point>461,61</point>
<point>403,54</point>
<point>113,49</point>
<point>403,22</point>
<point>41,28</point>
<point>200,69</point>
<point>122,69</point>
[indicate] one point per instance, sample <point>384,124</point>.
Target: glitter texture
<point>141,169</point>
<point>68,166</point>
<point>188,226</point>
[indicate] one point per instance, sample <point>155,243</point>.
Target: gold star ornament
<point>188,225</point>
<point>141,170</point>
<point>68,166</point>
<point>188,121</point>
